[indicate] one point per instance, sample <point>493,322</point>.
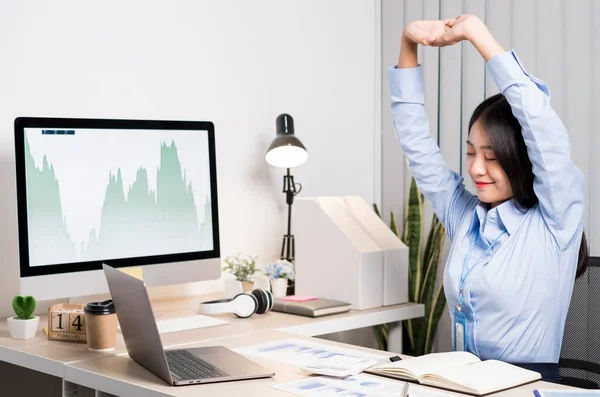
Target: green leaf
<point>436,243</point>
<point>376,210</point>
<point>413,231</point>
<point>393,225</point>
<point>241,266</point>
<point>408,324</point>
<point>439,306</point>
<point>430,240</point>
<point>381,336</point>
<point>420,325</point>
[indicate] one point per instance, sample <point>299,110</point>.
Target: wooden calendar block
<point>66,322</point>
<point>77,323</point>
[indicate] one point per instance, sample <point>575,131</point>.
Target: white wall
<point>236,63</point>
<point>557,41</point>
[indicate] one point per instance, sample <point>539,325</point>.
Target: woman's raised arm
<point>442,187</point>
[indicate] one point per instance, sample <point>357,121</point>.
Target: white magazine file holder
<point>343,253</point>
<point>395,252</point>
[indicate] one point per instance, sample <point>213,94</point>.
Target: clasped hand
<point>446,32</point>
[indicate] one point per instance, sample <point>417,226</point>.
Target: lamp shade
<point>286,151</point>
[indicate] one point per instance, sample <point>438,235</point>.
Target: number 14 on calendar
<point>67,323</point>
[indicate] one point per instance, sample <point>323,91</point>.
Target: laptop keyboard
<point>187,366</point>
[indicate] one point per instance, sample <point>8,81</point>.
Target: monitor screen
<point>120,192</point>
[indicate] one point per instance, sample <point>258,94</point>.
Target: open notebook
<point>457,371</point>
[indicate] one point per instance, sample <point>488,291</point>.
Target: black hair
<point>504,132</point>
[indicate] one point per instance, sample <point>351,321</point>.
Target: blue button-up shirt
<point>517,297</point>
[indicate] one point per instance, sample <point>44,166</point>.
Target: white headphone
<point>242,305</point>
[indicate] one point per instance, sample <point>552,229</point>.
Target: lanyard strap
<point>463,276</point>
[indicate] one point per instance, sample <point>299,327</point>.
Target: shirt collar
<point>478,215</point>
<point>509,215</point>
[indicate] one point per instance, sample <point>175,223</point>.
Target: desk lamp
<point>286,151</point>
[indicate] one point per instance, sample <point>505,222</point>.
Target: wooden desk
<point>121,376</point>
<point>46,356</point>
<point>50,357</point>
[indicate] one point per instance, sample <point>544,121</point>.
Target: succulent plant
<point>24,306</point>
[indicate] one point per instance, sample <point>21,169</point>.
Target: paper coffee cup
<point>101,325</point>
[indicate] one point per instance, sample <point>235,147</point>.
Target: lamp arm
<point>290,188</point>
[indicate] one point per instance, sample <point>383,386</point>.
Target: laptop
<point>177,367</point>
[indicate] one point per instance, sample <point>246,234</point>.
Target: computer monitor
<point>126,193</point>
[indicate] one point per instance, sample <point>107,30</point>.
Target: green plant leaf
<point>406,346</point>
<point>430,240</point>
<point>376,210</point>
<point>408,324</point>
<point>394,225</point>
<point>439,306</point>
<point>413,231</point>
<point>24,306</point>
<point>381,336</point>
<point>436,243</point>
<point>241,266</point>
<point>421,326</point>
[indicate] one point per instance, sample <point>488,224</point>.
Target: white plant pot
<point>23,329</point>
<point>279,287</point>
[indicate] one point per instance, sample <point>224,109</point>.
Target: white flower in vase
<point>279,273</point>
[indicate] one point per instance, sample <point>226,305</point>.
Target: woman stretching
<point>517,244</point>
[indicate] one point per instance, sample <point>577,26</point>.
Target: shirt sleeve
<point>442,187</point>
<point>558,183</point>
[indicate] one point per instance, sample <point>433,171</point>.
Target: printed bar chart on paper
<point>148,180</point>
<point>301,353</point>
<point>357,386</point>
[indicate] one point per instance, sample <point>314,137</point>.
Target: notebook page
<point>486,376</point>
<point>430,363</point>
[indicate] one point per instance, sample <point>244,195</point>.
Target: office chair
<point>580,351</point>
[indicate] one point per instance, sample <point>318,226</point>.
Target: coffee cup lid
<point>106,307</point>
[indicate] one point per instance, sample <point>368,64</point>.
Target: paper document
<point>300,353</point>
<point>358,386</point>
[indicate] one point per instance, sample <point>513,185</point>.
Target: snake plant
<point>418,333</point>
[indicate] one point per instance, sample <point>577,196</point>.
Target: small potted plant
<point>243,268</point>
<point>280,273</point>
<point>23,325</point>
